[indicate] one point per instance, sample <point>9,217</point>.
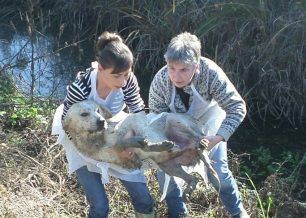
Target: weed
<point>264,205</point>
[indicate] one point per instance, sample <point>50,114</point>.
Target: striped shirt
<point>80,89</point>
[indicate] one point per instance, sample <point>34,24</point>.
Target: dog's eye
<point>84,114</point>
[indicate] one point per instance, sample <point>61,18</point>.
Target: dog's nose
<point>100,123</point>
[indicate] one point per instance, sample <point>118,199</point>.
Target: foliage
<point>263,163</point>
<point>24,116</point>
<point>19,111</point>
<point>259,44</point>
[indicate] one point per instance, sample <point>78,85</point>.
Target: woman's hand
<point>213,140</point>
<point>127,153</point>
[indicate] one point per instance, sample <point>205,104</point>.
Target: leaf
<point>14,116</point>
<point>2,113</point>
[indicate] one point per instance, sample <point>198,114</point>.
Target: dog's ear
<point>65,123</point>
<point>106,112</point>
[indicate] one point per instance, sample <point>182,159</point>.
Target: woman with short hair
<point>196,85</point>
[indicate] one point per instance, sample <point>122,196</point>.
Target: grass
<point>33,177</point>
<point>264,212</point>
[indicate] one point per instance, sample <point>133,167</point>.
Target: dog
<point>171,141</point>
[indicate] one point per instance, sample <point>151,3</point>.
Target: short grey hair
<point>185,48</point>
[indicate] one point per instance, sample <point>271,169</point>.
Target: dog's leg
<point>135,141</point>
<point>140,142</point>
<point>181,130</point>
<point>173,169</point>
<point>161,146</point>
<point>132,142</point>
<point>203,154</point>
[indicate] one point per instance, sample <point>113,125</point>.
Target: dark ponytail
<point>111,52</point>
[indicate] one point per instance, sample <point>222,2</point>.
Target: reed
<point>260,44</point>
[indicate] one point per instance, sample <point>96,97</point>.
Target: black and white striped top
<point>80,89</point>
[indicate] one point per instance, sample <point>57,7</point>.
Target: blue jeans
<point>97,198</point>
<point>229,193</point>
<point>174,199</point>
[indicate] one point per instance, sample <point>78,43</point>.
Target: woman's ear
<point>197,69</point>
<point>100,68</point>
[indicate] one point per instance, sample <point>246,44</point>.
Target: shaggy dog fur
<point>96,136</point>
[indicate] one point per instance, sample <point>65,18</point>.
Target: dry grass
<point>34,183</point>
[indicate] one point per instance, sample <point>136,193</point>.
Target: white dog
<point>96,136</point>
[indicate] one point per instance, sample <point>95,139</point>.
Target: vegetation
<point>260,45</point>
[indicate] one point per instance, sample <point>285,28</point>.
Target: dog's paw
<point>166,145</point>
<point>203,144</point>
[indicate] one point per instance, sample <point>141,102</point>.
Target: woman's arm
<point>132,96</point>
<point>78,90</point>
<point>228,98</point>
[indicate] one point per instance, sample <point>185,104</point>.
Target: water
<point>34,65</point>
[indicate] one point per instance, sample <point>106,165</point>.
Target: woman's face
<point>112,81</point>
<point>180,74</point>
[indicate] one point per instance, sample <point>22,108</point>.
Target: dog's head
<point>86,117</point>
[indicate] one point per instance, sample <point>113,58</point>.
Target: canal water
<point>34,65</point>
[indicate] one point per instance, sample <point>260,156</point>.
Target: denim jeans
<point>174,199</point>
<point>229,193</point>
<point>97,198</point>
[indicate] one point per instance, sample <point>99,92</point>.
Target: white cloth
<point>114,100</point>
<point>208,113</point>
<point>77,160</point>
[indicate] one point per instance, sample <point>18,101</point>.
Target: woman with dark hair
<point>109,82</point>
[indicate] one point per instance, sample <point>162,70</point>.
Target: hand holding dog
<point>126,153</point>
<point>213,140</point>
